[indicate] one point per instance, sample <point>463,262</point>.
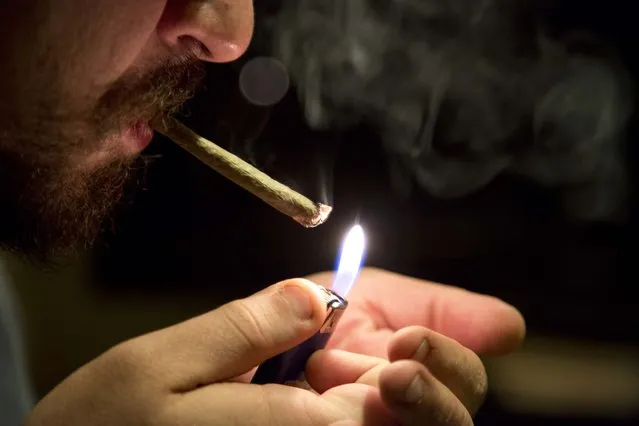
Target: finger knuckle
<point>124,375</point>
<point>246,325</point>
<point>264,410</point>
<point>127,360</point>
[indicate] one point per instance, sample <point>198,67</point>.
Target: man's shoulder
<point>15,390</point>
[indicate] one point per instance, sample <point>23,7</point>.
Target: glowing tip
<point>350,261</point>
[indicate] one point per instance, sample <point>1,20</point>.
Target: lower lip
<point>137,137</point>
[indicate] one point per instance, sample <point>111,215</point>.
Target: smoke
<point>461,91</point>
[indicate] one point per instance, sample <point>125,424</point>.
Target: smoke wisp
<point>461,91</point>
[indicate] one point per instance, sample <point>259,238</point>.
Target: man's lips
<point>137,137</point>
<point>128,143</point>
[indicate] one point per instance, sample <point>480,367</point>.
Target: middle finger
<point>409,390</point>
<point>456,366</point>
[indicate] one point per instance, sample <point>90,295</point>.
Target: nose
<point>220,29</point>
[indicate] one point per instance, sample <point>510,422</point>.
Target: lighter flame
<point>350,261</point>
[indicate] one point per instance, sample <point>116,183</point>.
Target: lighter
<point>288,367</point>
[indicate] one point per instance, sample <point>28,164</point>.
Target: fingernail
<point>421,353</point>
<point>415,391</point>
<point>299,300</point>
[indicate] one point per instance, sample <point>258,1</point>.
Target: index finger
<point>223,404</point>
<point>482,323</point>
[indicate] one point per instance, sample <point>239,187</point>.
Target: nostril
<point>211,30</point>
<point>194,47</point>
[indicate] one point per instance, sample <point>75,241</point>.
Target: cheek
<point>100,40</point>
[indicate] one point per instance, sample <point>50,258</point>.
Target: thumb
<point>236,337</point>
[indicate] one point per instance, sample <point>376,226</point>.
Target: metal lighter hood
<point>335,308</point>
<point>288,367</point>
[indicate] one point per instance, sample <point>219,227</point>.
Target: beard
<point>51,205</point>
<point>48,213</point>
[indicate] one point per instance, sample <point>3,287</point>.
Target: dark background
<point>190,234</point>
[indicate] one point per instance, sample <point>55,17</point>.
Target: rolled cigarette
<point>304,211</point>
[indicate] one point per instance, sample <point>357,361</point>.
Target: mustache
<point>159,92</point>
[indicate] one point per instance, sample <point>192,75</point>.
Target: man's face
<point>80,79</point>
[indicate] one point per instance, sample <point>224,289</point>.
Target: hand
<point>188,374</point>
<point>431,379</point>
<point>433,354</point>
<point>382,303</point>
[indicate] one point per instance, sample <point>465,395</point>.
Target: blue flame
<point>350,261</point>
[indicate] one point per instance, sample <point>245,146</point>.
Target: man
<point>80,82</point>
